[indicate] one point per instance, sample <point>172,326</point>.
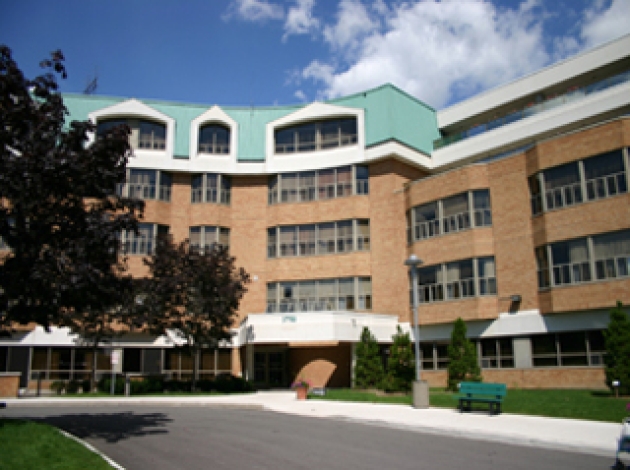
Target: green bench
<point>479,392</point>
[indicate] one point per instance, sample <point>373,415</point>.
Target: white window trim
<point>318,159</point>
<point>218,116</point>
<point>136,109</point>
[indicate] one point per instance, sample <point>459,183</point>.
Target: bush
<point>462,355</point>
<point>86,385</point>
<point>400,365</point>
<point>176,386</point>
<point>229,384</point>
<point>73,386</point>
<point>58,386</point>
<point>154,383</point>
<point>105,383</point>
<point>617,358</point>
<point>205,385</point>
<point>368,372</point>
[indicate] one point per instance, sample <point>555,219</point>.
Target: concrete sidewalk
<point>562,434</point>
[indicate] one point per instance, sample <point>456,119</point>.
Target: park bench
<point>490,393</point>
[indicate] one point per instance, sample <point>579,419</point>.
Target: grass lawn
<point>577,404</point>
<point>25,445</point>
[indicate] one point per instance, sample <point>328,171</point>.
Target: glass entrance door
<point>270,368</point>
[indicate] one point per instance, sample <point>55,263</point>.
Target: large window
<point>204,237</point>
<point>319,239</point>
<point>211,363</point>
<point>318,185</point>
<point>352,293</point>
<point>598,257</point>
<point>214,138</point>
<point>594,178</point>
<point>452,214</point>
<point>581,348</point>
<point>496,353</point>
<point>457,280</point>
<point>147,184</point>
<point>143,242</point>
<point>145,134</point>
<point>210,187</point>
<point>321,135</point>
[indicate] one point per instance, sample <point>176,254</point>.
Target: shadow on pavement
<point>112,427</point>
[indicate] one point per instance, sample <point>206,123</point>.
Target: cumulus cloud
<point>603,24</point>
<point>437,51</point>
<point>254,10</point>
<point>300,19</point>
<point>354,24</point>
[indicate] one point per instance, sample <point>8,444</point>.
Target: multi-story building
<point>516,200</point>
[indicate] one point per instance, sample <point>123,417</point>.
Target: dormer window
<point>320,135</point>
<point>214,138</point>
<point>145,134</point>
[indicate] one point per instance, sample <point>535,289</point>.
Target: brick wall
<point>591,378</point>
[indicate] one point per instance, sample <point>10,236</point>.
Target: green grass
<point>25,445</point>
<point>575,404</point>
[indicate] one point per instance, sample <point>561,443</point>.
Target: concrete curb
<point>92,449</point>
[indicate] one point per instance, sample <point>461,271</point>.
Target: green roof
<point>390,114</point>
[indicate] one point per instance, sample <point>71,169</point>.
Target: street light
<point>420,387</point>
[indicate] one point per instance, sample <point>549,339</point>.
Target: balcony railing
<point>543,104</point>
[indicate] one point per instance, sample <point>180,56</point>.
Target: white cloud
<point>254,10</point>
<point>603,24</point>
<point>437,51</point>
<point>300,19</point>
<point>354,24</point>
<point>300,95</point>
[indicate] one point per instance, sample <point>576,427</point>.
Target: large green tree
<point>368,370</point>
<point>617,342</point>
<point>400,364</point>
<point>194,294</point>
<point>59,215</point>
<point>462,365</point>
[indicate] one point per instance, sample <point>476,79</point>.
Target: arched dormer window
<point>145,134</point>
<point>317,135</point>
<point>214,138</point>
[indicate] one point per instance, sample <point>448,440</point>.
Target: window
<point>611,252</point>
<point>597,177</point>
<point>456,280</point>
<point>579,348</point>
<point>318,185</point>
<point>319,239</point>
<point>452,214</point>
<point>352,293</point>
<point>434,356</point>
<point>146,185</point>
<point>598,257</point>
<point>143,242</point>
<point>145,134</point>
<point>321,135</point>
<point>204,237</point>
<point>496,353</point>
<point>214,138</point>
<point>210,187</point>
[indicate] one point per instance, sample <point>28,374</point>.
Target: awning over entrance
<point>309,327</point>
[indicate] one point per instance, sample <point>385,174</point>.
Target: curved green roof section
<point>390,115</point>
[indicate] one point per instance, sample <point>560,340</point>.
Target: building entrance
<point>270,369</point>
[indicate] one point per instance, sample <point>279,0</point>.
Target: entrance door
<point>270,368</point>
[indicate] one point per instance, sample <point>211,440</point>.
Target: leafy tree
<point>59,216</point>
<point>401,364</point>
<point>368,370</point>
<point>462,356</point>
<point>194,293</point>
<point>617,342</point>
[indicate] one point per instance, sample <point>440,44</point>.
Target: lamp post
<point>420,387</point>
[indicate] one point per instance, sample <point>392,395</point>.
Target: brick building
<point>516,200</point>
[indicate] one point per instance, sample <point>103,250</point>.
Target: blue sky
<point>274,52</point>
